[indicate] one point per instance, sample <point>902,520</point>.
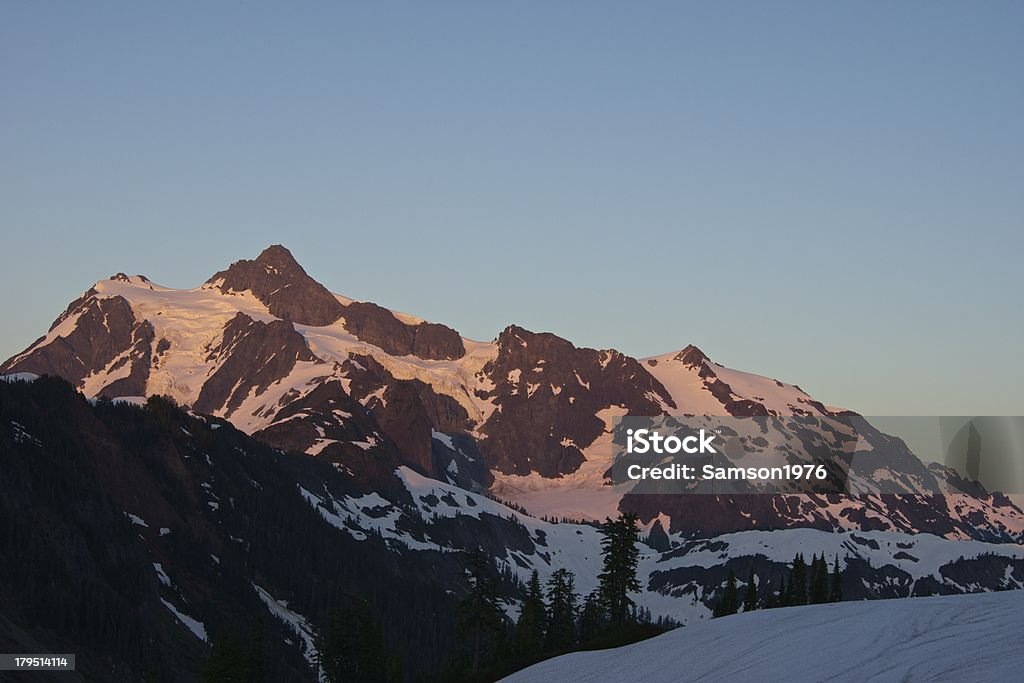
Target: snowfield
<point>950,638</point>
<point>678,583</point>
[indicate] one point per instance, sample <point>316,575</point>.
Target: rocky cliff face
<point>379,326</point>
<point>277,280</point>
<point>250,357</point>
<point>97,344</point>
<point>280,283</point>
<point>548,394</point>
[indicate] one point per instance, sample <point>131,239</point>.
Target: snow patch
<point>193,625</point>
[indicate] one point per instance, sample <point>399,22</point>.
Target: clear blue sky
<point>827,193</point>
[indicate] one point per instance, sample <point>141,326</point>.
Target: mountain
<point>234,461</point>
<point>527,417</point>
<point>139,534</point>
<point>137,537</point>
<point>962,638</point>
<point>119,519</point>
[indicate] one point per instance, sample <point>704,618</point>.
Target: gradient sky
<point>826,193</point>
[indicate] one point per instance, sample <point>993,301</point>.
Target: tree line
<point>807,585</point>
<point>554,618</point>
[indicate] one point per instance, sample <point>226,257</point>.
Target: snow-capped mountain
<point>527,416</point>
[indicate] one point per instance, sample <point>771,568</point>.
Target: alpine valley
<point>313,445</point>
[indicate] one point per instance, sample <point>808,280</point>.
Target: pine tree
<point>561,633</point>
<point>783,599</point>
<point>797,594</point>
<point>750,599</point>
<point>621,556</point>
<point>812,577</point>
<point>351,646</point>
<point>819,580</point>
<point>772,601</point>
<point>836,592</point>
<point>529,633</point>
<point>592,616</point>
<point>229,662</point>
<point>479,617</point>
<point>729,603</point>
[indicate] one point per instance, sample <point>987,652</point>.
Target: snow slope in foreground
<point>949,638</point>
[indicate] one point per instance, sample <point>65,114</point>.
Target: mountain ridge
<point>534,413</point>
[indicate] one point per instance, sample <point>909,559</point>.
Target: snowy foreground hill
<point>949,638</point>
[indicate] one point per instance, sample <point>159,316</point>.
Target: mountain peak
<point>278,256</point>
<point>130,279</point>
<point>692,356</point>
<point>277,280</point>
